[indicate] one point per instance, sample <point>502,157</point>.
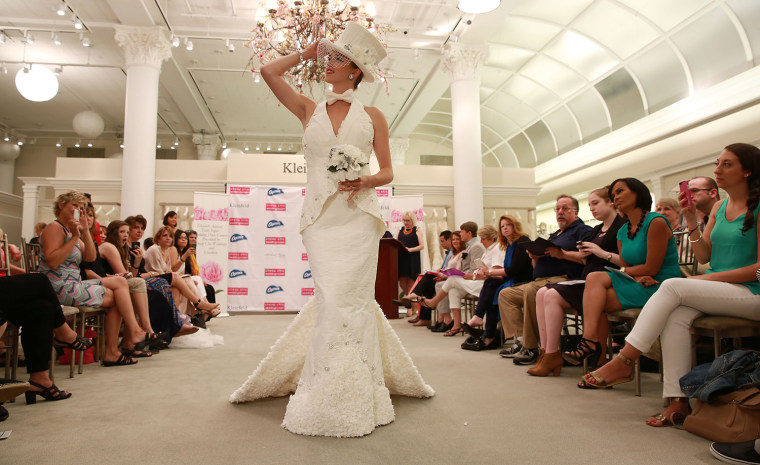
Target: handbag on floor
<point>732,417</point>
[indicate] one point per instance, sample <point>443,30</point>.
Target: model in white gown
<point>339,355</point>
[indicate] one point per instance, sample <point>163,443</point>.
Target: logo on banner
<point>238,256</point>
<point>307,274</point>
<point>275,207</point>
<point>274,272</point>
<point>274,224</point>
<point>239,221</point>
<point>240,205</point>
<point>272,289</point>
<point>274,240</point>
<point>237,273</point>
<point>293,168</point>
<point>237,291</point>
<point>382,192</point>
<point>303,192</point>
<point>274,191</point>
<point>274,305</point>
<point>304,257</point>
<point>240,190</point>
<point>238,238</point>
<point>307,291</point>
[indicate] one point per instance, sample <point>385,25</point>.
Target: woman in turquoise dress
<point>730,242</point>
<point>648,256</point>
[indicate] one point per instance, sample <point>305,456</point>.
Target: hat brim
<point>369,75</point>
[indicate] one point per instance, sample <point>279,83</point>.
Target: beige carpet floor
<point>173,409</point>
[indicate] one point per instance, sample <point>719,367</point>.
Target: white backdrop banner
<point>210,216</point>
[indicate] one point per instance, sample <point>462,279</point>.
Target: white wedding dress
<point>340,355</point>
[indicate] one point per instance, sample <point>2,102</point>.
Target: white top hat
<point>360,46</point>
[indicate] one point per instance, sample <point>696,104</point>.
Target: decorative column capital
<point>464,61</point>
<point>207,145</point>
<point>399,147</point>
<point>143,46</point>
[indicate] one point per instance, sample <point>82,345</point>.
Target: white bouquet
<point>345,162</point>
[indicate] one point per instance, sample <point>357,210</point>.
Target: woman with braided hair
<point>730,242</point>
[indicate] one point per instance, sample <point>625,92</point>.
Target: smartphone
<point>684,186</point>
<point>579,245</point>
<point>135,245</point>
<point>77,213</point>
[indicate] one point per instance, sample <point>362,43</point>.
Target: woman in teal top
<point>648,257</point>
<point>730,288</point>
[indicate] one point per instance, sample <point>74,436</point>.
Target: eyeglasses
<point>697,190</point>
<point>563,209</point>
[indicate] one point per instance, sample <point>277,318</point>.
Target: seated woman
<point>515,268</point>
<point>457,287</point>
<point>15,256</point>
<point>670,209</point>
<point>65,243</point>
<point>191,264</point>
<point>596,252</point>
<point>185,260</point>
<point>116,257</point>
<point>161,258</point>
<point>170,220</point>
<point>730,242</point>
<point>429,281</point>
<point>38,227</point>
<point>30,303</point>
<point>648,257</point>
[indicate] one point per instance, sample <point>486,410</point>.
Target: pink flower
<point>223,214</point>
<point>198,213</point>
<point>214,215</point>
<point>396,216</point>
<point>211,272</point>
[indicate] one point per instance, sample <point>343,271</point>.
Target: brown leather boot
<point>550,362</point>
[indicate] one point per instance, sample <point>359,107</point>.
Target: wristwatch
<point>622,268</point>
<point>609,257</point>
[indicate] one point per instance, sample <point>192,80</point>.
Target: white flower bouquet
<point>345,162</point>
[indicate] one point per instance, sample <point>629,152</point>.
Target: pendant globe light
<point>36,83</point>
<point>478,6</point>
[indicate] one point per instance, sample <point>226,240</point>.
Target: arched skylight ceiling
<point>563,73</point>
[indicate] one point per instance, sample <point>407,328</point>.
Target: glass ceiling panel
<point>519,112</point>
<point>485,93</point>
<point>561,124</point>
<point>582,54</point>
<point>618,28</point>
<point>712,49</point>
<point>523,151</point>
<point>561,12</point>
<point>497,120</point>
<point>507,56</point>
<point>506,156</point>
<point>590,113</point>
<point>542,140</point>
<point>551,74</point>
<point>666,14</point>
<point>442,119</point>
<point>531,93</point>
<point>622,97</point>
<point>661,76</point>
<point>526,33</point>
<point>488,136</point>
<point>490,161</point>
<point>492,78</point>
<point>749,16</point>
<point>443,105</point>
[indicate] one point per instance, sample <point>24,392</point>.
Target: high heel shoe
<point>474,332</point>
<point>547,363</point>
<point>585,349</point>
<point>79,343</point>
<point>47,393</point>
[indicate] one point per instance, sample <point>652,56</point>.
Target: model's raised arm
<point>272,72</point>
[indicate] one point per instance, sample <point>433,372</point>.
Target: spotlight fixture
<point>56,39</point>
<point>3,68</point>
<point>478,6</point>
<point>188,44</point>
<point>258,147</point>
<point>58,70</point>
<point>7,138</point>
<point>174,40</point>
<point>176,141</point>
<point>78,23</point>
<point>77,143</point>
<point>20,142</point>
<point>269,147</point>
<point>121,144</point>
<point>85,41</point>
<point>59,143</point>
<point>279,148</point>
<point>89,144</point>
<point>158,146</point>
<point>230,46</point>
<point>256,78</point>
<point>2,37</point>
<point>246,148</point>
<point>224,144</point>
<point>61,10</point>
<point>28,38</point>
<point>172,147</point>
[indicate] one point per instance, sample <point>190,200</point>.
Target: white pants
<point>670,312</point>
<point>458,288</point>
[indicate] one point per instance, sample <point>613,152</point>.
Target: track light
<point>188,45</point>
<point>269,147</point>
<point>256,78</point>
<point>230,46</point>
<point>28,38</point>
<point>59,143</point>
<point>89,144</point>
<point>58,70</point>
<point>258,148</point>
<point>7,138</point>
<point>20,142</point>
<point>61,10</point>
<point>56,39</point>
<point>172,147</point>
<point>176,141</point>
<point>2,37</point>
<point>77,143</point>
<point>158,146</point>
<point>279,148</point>
<point>78,23</point>
<point>85,40</point>
<point>174,40</point>
<point>224,144</point>
<point>246,148</point>
<point>3,68</point>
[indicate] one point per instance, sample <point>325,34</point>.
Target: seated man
<point>704,192</point>
<point>517,304</point>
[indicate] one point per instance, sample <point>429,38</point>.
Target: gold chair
<point>467,306</point>
<point>96,315</point>
<point>718,328</point>
<point>31,256</point>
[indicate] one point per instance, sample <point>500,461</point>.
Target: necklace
<point>638,226</point>
<point>408,231</point>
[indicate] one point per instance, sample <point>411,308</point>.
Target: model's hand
<point>354,186</point>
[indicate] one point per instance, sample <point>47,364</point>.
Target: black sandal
<point>79,343</point>
<point>582,351</point>
<point>121,361</point>
<point>47,393</point>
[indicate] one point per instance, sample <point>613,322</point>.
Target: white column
<point>207,145</point>
<point>9,152</point>
<point>399,147</point>
<point>463,62</point>
<point>29,210</point>
<point>658,189</point>
<point>144,51</point>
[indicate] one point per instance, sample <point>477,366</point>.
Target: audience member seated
<point>37,231</point>
<point>472,256</point>
<point>670,209</point>
<point>65,243</point>
<point>170,221</point>
<point>648,257</point>
<point>191,264</point>
<point>426,283</point>
<point>597,251</point>
<point>431,282</point>
<point>161,258</point>
<point>515,268</point>
<point>517,304</point>
<point>30,303</point>
<point>15,256</point>
<point>409,265</point>
<point>730,243</point>
<point>705,194</point>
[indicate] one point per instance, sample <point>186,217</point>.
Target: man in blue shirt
<point>517,304</point>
